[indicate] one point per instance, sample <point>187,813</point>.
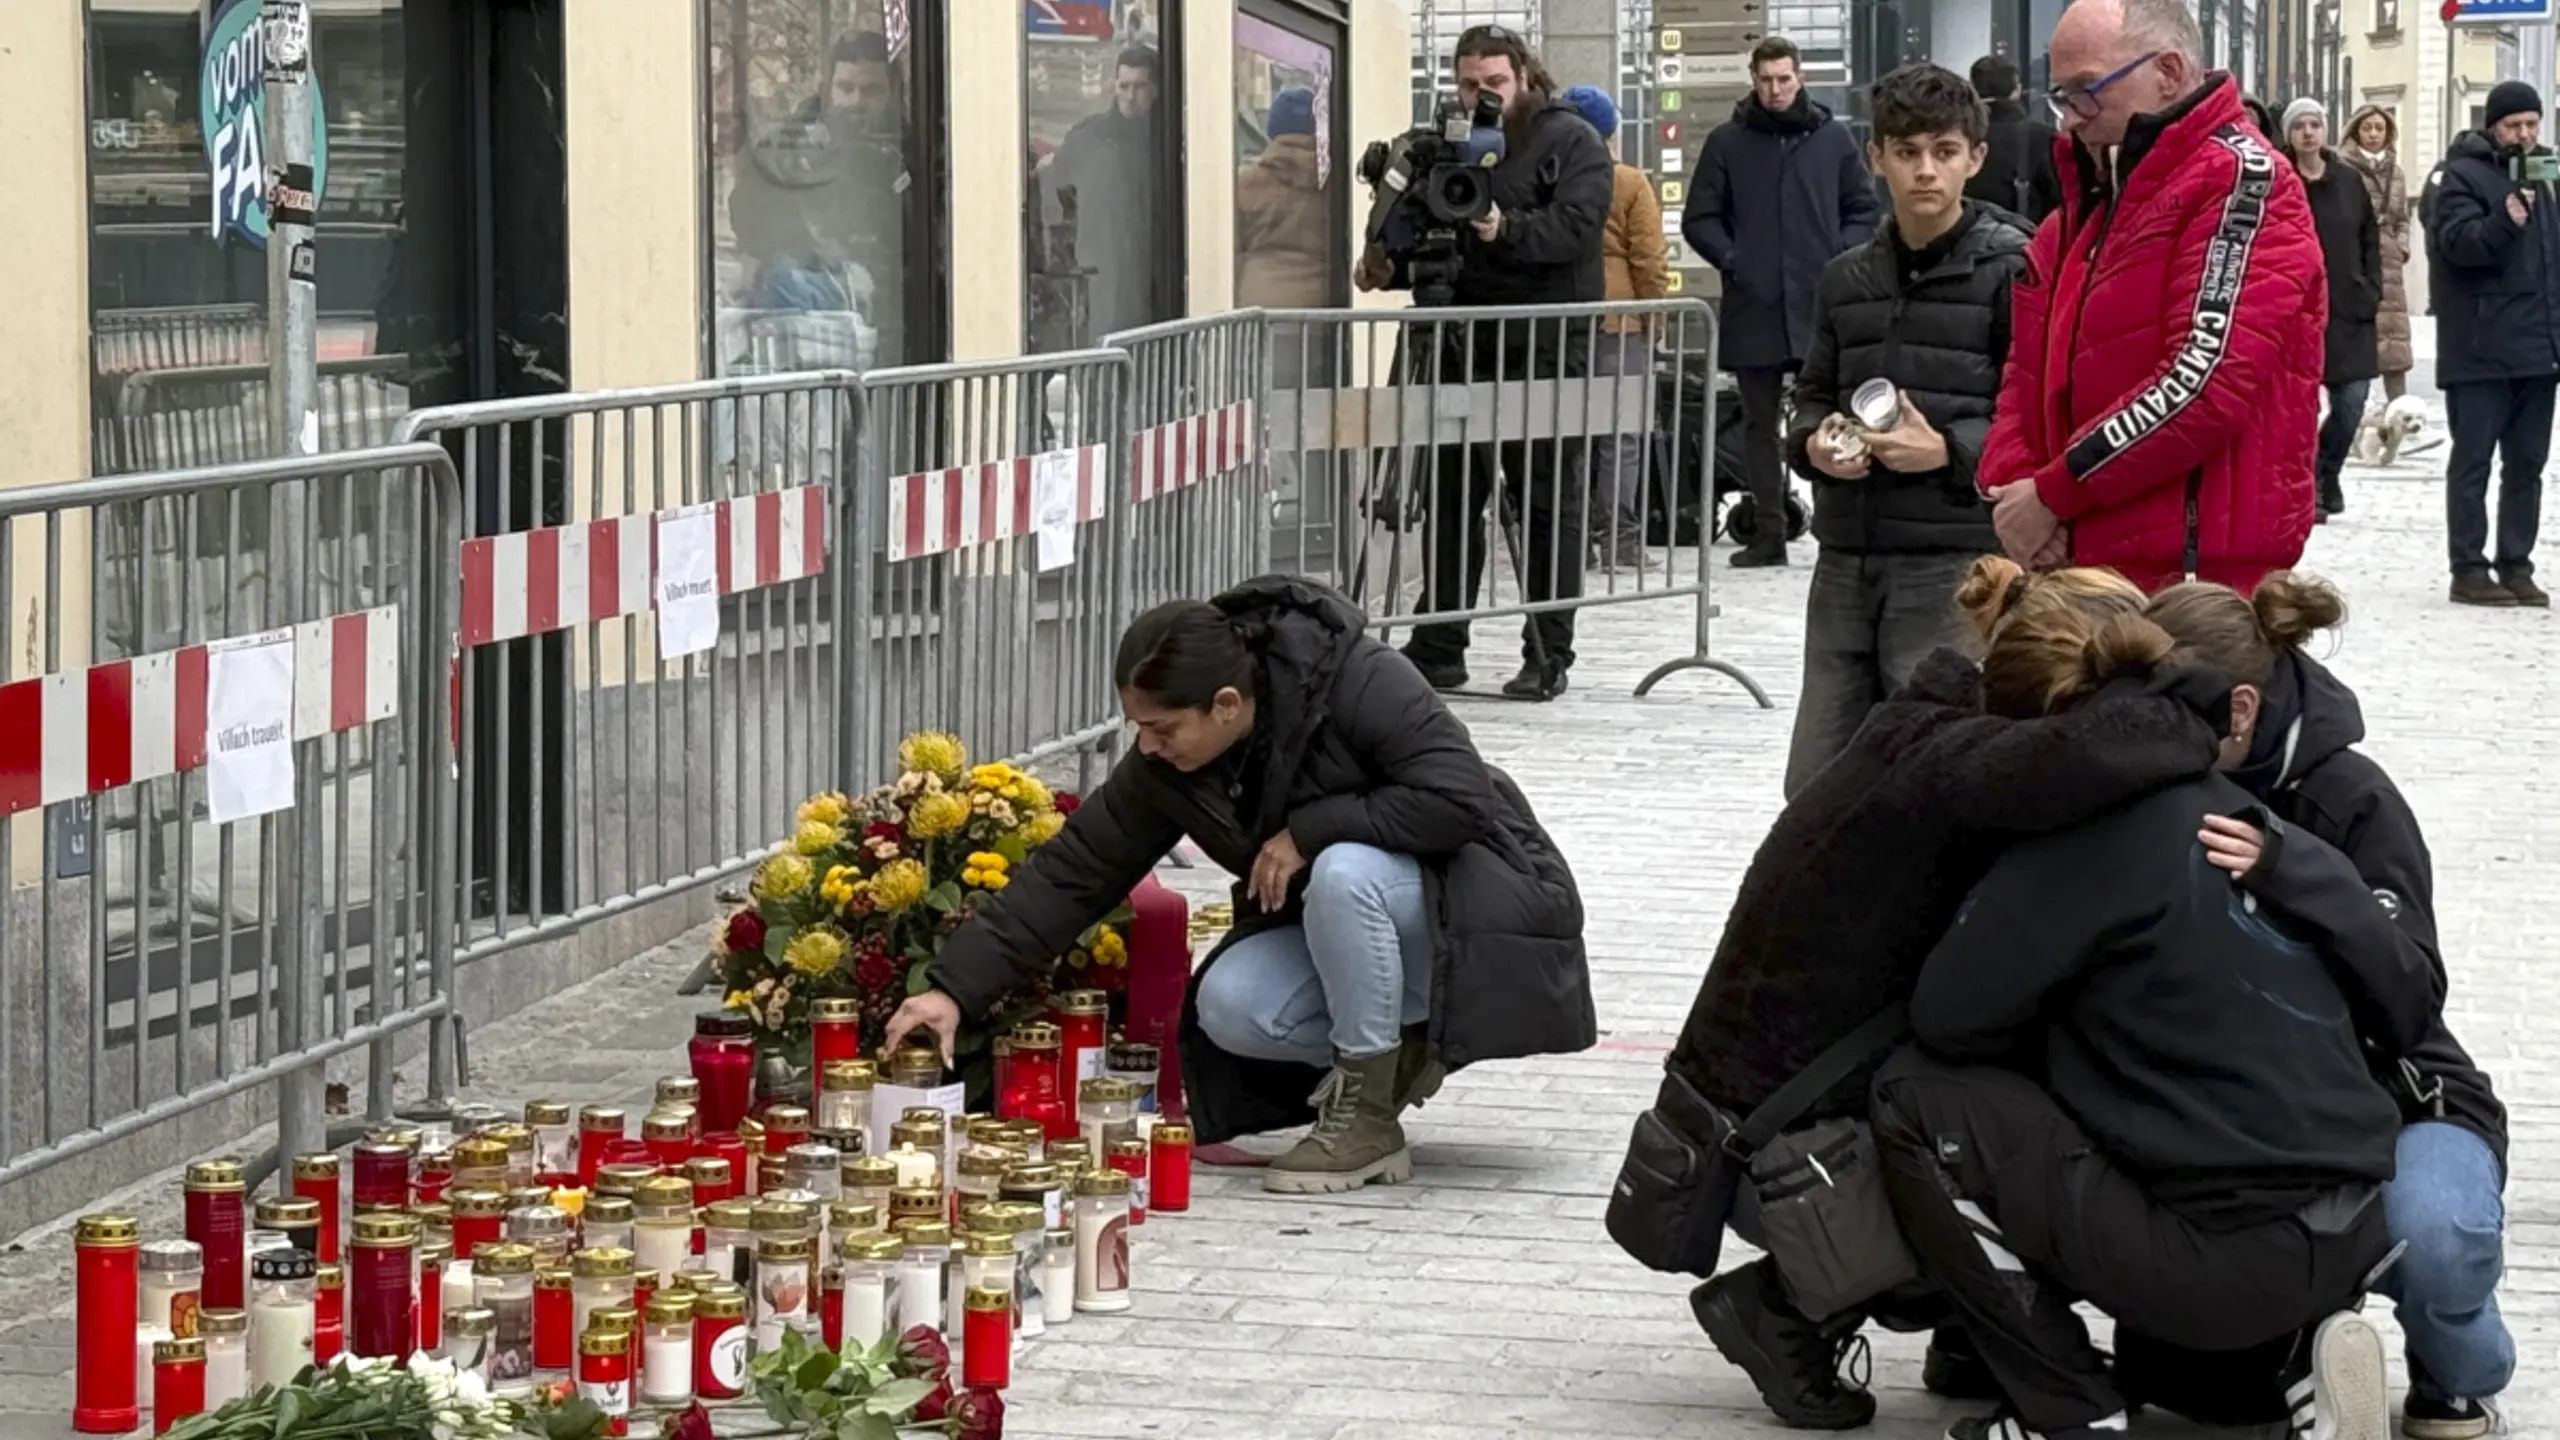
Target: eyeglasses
<point>2082,100</point>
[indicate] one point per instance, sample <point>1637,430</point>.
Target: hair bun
<point>1990,590</point>
<point>2292,608</point>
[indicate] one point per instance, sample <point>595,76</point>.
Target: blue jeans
<point>2444,1203</point>
<point>1345,981</point>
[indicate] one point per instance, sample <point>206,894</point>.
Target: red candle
<point>835,1032</point>
<point>712,1183</point>
<point>432,1255</point>
<point>986,1340</point>
<point>751,1144</point>
<point>725,1145</point>
<point>598,1126</point>
<point>107,1266</point>
<point>1130,1158</point>
<point>1082,1017</point>
<point>604,1376</point>
<point>435,1173</point>
<point>1035,1091</point>
<point>630,1152</point>
<point>554,1314</point>
<point>384,1306</point>
<point>784,1127</point>
<point>668,1139</point>
<point>723,1057</point>
<point>1169,1180</point>
<point>315,1178</point>
<point>329,1318</point>
<point>831,1307</point>
<point>177,1382</point>
<point>382,1173</point>
<point>719,1344</point>
<point>478,1218</point>
<point>217,1219</point>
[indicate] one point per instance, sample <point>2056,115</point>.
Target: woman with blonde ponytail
<point>2135,1087</point>
<point>2335,846</point>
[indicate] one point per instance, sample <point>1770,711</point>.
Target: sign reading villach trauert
<point>231,106</point>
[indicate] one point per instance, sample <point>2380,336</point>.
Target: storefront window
<point>1289,174</point>
<point>825,206</point>
<point>1102,202</point>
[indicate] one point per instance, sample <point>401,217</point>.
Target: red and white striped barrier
<point>938,511</point>
<point>82,732</point>
<point>533,582</point>
<point>1181,453</point>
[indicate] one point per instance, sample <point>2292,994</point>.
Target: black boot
<point>1795,1363</point>
<point>1439,674</point>
<point>1760,555</point>
<point>1537,680</point>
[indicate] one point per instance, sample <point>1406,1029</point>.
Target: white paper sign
<point>248,726</point>
<point>1053,507</point>
<point>688,583</point>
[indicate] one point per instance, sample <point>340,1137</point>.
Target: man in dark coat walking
<point>2351,252</point>
<point>1777,192</point>
<point>2493,256</point>
<point>2017,171</point>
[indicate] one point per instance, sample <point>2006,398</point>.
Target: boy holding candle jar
<point>1891,408</point>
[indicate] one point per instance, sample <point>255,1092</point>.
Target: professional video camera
<point>1428,184</point>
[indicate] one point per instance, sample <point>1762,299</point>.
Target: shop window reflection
<point>824,248</point>
<point>1288,174</point>
<point>1101,211</point>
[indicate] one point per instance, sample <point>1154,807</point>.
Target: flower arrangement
<point>429,1400</point>
<point>900,1387</point>
<point>857,902</point>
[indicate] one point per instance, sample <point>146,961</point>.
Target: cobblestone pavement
<point>1483,1299</point>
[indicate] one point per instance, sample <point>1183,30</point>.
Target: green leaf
<point>813,1371</point>
<point>1011,848</point>
<point>575,1419</point>
<point>898,1399</point>
<point>290,1403</point>
<point>920,976</point>
<point>944,897</point>
<point>861,1425</point>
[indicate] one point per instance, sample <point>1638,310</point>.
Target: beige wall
<point>1381,104</point>
<point>986,179</point>
<point>1209,147</point>
<point>633,81</point>
<point>44,365</point>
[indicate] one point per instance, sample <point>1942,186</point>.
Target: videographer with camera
<point>2493,249</point>
<point>1537,242</point>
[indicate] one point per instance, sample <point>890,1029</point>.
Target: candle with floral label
<point>720,1344</point>
<point>1102,1241</point>
<point>172,1285</point>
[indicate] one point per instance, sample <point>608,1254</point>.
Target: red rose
<point>875,972</point>
<point>981,1416</point>
<point>936,1405</point>
<point>693,1424</point>
<point>922,1355</point>
<point>746,933</point>
<point>1066,801</point>
<point>890,833</point>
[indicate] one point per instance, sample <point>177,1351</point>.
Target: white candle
<point>1058,1277</point>
<point>866,1307</point>
<point>663,1248</point>
<point>143,1339</point>
<point>917,1167</point>
<point>666,1374</point>
<point>281,1332</point>
<point>226,1369</point>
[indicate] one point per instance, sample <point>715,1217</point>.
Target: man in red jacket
<point>2162,393</point>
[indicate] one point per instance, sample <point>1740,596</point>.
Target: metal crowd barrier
<point>157,962</point>
<point>1199,505</point>
<point>165,419</point>
<point>596,775</point>
<point>1429,447</point>
<point>986,555</point>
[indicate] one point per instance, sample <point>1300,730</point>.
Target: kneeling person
<point>1385,863</point>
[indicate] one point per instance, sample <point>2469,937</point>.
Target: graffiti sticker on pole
<point>287,24</point>
<point>231,111</point>
<point>291,200</point>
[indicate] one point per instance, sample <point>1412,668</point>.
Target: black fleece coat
<point>2345,858</point>
<point>1941,336</point>
<point>1775,196</point>
<point>1350,747</point>
<point>2351,250</point>
<point>1868,865</point>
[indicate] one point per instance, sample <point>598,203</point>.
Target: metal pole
<point>293,391</point>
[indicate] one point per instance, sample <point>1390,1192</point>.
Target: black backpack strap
<point>1881,1033</point>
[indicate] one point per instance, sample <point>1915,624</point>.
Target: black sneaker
<point>1535,681</point>
<point>1953,1369</point>
<point>1440,674</point>
<point>2337,1385</point>
<point>1756,556</point>
<point>2478,588</point>
<point>2526,592</point>
<point>2005,1425</point>
<point>1798,1367</point>
<point>2429,1416</point>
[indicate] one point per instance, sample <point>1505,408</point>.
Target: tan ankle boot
<point>1356,1140</point>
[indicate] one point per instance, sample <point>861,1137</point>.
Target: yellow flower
<point>782,877</point>
<point>985,870</point>
<point>737,1000</point>
<point>826,809</point>
<point>1028,793</point>
<point>816,950</point>
<point>816,837</point>
<point>934,752</point>
<point>995,777</point>
<point>1043,827</point>
<point>936,814</point>
<point>840,886</point>
<point>986,860</point>
<point>1109,949</point>
<point>899,884</point>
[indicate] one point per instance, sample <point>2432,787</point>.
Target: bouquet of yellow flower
<point>857,902</point>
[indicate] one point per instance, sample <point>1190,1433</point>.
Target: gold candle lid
<point>921,1134</point>
<point>221,1173</point>
<point>1035,1035</point>
<point>320,1166</point>
<point>987,1244</point>
<point>607,1262</point>
<point>508,1259</point>
<point>385,1232</point>
<point>707,1171</point>
<point>985,1301</point>
<point>436,1252</point>
<point>665,1191</point>
<point>1107,1090</point>
<point>867,1171</point>
<point>330,1276</point>
<point>480,1152</point>
<point>600,1341</point>
<point>1128,1149</point>
<point>617,1319</point>
<point>553,1280</point>
<point>988,1130</point>
<point>673,1308</point>
<point>186,1349</point>
<point>529,1197</point>
<point>1014,1217</point>
<point>726,1303</point>
<point>729,1214</point>
<point>395,1137</point>
<point>286,1212</point>
<point>835,1007</point>
<point>679,1090</point>
<point>470,1321</point>
<point>782,1247</point>
<point>433,1214</point>
<point>1084,1002</point>
<point>1102,1182</point>
<point>510,1134</point>
<point>601,1118</point>
<point>1071,1155</point>
<point>1168,1132</point>
<point>779,1215</point>
<point>927,1232</point>
<point>870,1245</point>
<point>1040,1175</point>
<point>546,1112</point>
<point>479,1204</point>
<point>661,1125</point>
<point>114,1232</point>
<point>222,1322</point>
<point>915,1200</point>
<point>841,1075</point>
<point>980,1162</point>
<point>849,1215</point>
<point>785,1117</point>
<point>618,1179</point>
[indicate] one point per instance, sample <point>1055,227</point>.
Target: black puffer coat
<point>1775,196</point>
<point>2351,250</point>
<point>2495,284</point>
<point>1351,748</point>
<point>1867,867</point>
<point>1941,338</point>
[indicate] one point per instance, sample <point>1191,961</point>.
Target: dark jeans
<point>2011,1208</point>
<point>1545,480</point>
<point>2511,418</point>
<point>1764,466</point>
<point>2338,436</point>
<point>1868,622</point>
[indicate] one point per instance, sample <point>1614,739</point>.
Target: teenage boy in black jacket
<point>1924,307</point>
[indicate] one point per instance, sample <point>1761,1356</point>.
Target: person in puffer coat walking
<point>2163,391</point>
<point>2372,150</point>
<point>1402,914</point>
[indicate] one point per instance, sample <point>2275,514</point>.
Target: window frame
<point>1323,24</point>
<point>1172,47</point>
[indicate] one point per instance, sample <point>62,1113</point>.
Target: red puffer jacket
<point>2163,390</point>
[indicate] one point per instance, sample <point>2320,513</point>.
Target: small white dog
<point>2389,427</point>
